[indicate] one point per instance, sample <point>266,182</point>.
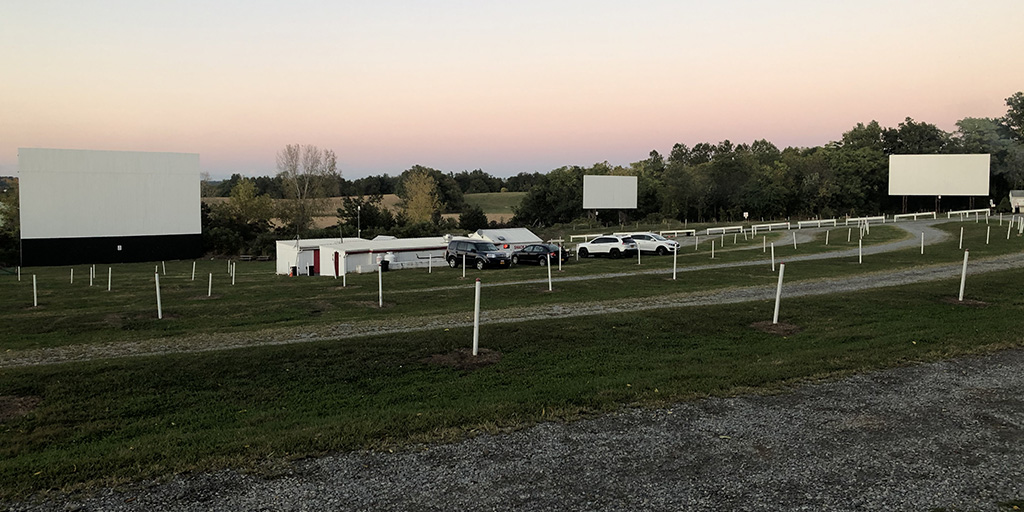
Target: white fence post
<point>549,268</point>
<point>778,293</point>
<point>712,249</point>
<point>773,256</point>
<point>209,286</point>
<point>193,271</point>
<point>159,306</point>
<point>35,292</point>
<point>922,242</point>
<point>963,276</point>
<point>380,284</point>
<point>110,275</point>
<point>961,237</point>
<point>860,251</point>
<point>675,257</point>
<point>476,319</point>
<point>826,237</point>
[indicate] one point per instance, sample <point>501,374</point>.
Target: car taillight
<point>505,246</point>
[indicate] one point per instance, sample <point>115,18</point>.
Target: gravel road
<point>947,435</point>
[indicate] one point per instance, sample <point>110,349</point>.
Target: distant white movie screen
<point>609,192</point>
<point>939,175</point>
<point>68,193</point>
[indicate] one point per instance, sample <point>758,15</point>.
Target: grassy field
<point>255,408</point>
<point>496,204</point>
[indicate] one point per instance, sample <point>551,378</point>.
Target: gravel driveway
<point>947,435</point>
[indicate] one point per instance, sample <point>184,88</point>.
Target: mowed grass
<point>76,313</point>
<point>255,408</point>
<point>109,421</point>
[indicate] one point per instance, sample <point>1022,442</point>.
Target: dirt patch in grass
<point>371,304</point>
<point>971,303</point>
<point>463,359</point>
<point>780,329</point>
<point>12,407</point>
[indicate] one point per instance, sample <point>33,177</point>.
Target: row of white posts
<point>156,277</point>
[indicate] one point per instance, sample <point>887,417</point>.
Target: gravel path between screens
<point>397,325</point>
<point>946,436</point>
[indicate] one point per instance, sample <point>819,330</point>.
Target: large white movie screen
<point>83,193</point>
<point>609,192</point>
<point>939,175</point>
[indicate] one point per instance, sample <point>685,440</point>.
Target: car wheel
<point>661,251</point>
<point>452,262</point>
<point>542,262</point>
<point>479,264</point>
<point>615,254</point>
<point>583,253</point>
<point>515,260</point>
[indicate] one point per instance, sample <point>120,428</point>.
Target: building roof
<point>393,244</point>
<point>1017,194</point>
<point>507,235</point>
<point>313,243</point>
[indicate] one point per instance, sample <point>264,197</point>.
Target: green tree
<point>473,218</point>
<point>420,194</point>
<point>1014,118</point>
<point>367,214</point>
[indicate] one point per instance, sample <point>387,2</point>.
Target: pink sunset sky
<point>505,87</point>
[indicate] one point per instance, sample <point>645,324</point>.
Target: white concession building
<point>335,257</point>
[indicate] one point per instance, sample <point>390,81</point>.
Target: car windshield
<point>486,246</point>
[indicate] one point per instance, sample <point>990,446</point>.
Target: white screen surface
<point>939,175</point>
<point>609,192</point>
<point>68,193</point>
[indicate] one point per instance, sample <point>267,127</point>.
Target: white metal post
<point>1008,228</point>
<point>712,249</point>
<point>463,265</point>
<point>209,286</point>
<point>380,284</point>
<point>963,276</point>
<point>826,237</point>
<point>860,251</point>
<point>773,256</point>
<point>549,270</point>
<point>848,233</point>
<point>35,292</point>
<point>764,244</point>
<point>90,276</point>
<point>696,241</point>
<point>675,257</point>
<point>794,239</point>
<point>19,274</point>
<point>110,275</point>
<point>988,234</point>
<point>559,258</point>
<point>193,271</point>
<point>922,242</point>
<point>778,293</point>
<point>637,254</point>
<point>476,319</point>
<point>72,275</point>
<point>159,307</point>
<point>232,274</point>
<point>961,237</point>
<point>430,263</point>
<point>163,264</point>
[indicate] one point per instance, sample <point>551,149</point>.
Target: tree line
<point>719,182</point>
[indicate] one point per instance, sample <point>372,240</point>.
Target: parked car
<point>478,254</point>
<point>615,246</point>
<point>648,242</point>
<point>538,254</point>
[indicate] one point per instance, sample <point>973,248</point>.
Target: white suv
<point>615,246</point>
<point>653,242</point>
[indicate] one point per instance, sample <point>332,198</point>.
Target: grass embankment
<point>107,421</point>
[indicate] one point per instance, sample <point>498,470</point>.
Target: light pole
<point>359,218</point>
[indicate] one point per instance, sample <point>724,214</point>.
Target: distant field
<point>497,206</point>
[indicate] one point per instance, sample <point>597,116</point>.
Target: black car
<point>538,254</point>
<point>477,254</point>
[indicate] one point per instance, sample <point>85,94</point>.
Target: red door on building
<point>316,262</point>
<point>335,264</point>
